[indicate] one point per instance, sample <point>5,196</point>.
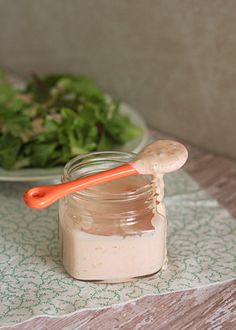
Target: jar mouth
<point>95,162</point>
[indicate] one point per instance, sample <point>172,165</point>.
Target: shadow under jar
<point>110,232</point>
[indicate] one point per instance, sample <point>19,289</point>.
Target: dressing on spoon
<point>160,157</point>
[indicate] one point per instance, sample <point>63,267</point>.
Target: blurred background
<point>174,61</point>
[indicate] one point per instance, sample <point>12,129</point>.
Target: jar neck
<point>122,207</point>
<point>130,189</point>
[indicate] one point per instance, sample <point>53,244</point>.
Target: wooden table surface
<point>212,307</point>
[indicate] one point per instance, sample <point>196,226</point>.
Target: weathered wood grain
<point>210,308</point>
<point>218,176</point>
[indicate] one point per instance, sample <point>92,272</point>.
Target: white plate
<point>35,174</point>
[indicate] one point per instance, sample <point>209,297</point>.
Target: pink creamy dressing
<point>116,255</point>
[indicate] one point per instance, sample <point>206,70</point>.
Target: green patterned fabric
<point>201,251</point>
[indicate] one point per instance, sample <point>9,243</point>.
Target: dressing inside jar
<point>111,232</point>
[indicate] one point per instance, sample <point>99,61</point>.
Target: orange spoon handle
<point>43,196</point>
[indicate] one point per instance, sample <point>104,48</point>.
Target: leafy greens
<point>56,118</point>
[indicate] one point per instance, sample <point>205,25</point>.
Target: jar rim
<point>102,155</point>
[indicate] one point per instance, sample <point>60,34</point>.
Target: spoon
<point>43,196</point>
<point>157,158</point>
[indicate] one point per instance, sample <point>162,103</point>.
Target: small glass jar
<point>110,232</point>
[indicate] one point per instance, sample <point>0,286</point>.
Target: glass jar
<point>110,232</point>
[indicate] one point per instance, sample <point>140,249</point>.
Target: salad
<point>55,118</point>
